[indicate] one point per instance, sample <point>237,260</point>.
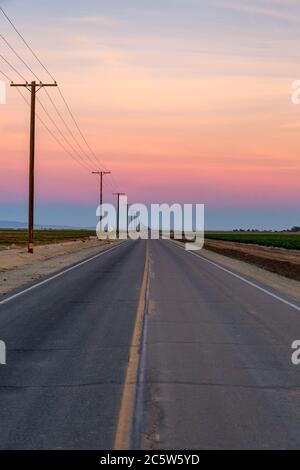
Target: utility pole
<point>33,87</point>
<point>128,220</point>
<point>101,174</point>
<point>118,212</point>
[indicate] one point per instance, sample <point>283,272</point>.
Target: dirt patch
<point>277,260</point>
<point>14,257</point>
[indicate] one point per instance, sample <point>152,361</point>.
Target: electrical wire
<point>62,135</point>
<point>19,57</point>
<point>52,133</point>
<point>6,76</point>
<point>55,107</point>
<point>68,127</point>
<point>97,160</point>
<point>48,115</point>
<point>12,67</point>
<point>53,103</point>
<point>79,130</point>
<point>82,163</point>
<point>26,44</point>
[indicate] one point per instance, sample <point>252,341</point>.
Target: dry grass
<point>9,237</point>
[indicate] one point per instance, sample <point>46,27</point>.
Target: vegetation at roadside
<point>10,237</point>
<point>288,240</point>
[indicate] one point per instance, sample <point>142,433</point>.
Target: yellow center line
<point>125,419</point>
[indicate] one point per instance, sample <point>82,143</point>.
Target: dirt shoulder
<point>18,268</point>
<point>272,280</point>
<point>277,260</point>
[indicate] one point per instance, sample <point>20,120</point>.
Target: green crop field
<point>19,237</point>
<point>290,241</point>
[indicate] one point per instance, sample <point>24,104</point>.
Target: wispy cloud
<point>106,21</point>
<point>263,10</point>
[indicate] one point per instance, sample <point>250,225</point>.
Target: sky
<point>184,101</point>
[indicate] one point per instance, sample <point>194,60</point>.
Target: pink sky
<point>175,117</point>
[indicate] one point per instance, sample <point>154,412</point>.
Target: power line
<point>95,157</point>
<point>61,133</point>
<point>77,159</point>
<point>62,145</point>
<point>19,57</point>
<point>46,112</point>
<point>26,44</point>
<point>68,127</point>
<point>113,187</point>
<point>12,67</point>
<point>79,130</point>
<point>114,181</point>
<point>33,88</point>
<point>97,160</point>
<point>6,76</point>
<point>52,133</point>
<point>55,107</point>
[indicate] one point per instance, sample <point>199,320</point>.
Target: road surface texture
<point>215,357</point>
<point>217,360</point>
<point>68,343</point>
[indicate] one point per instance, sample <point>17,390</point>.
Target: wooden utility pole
<point>127,220</point>
<point>101,174</point>
<point>118,212</point>
<point>33,87</point>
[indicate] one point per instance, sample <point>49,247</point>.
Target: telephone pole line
<point>33,87</point>
<point>128,206</point>
<point>118,212</point>
<point>101,174</point>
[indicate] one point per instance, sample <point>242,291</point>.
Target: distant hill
<point>11,224</point>
<point>23,225</point>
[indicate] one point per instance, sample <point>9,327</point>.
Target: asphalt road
<point>67,352</point>
<point>215,365</point>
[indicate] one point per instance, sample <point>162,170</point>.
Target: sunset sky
<point>183,100</point>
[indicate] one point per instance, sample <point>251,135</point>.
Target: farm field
<point>10,237</point>
<point>290,241</point>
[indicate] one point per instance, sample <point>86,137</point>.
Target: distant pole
<point>101,174</point>
<point>34,87</point>
<point>118,212</point>
<point>127,220</point>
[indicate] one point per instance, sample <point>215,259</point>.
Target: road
<point>68,343</point>
<point>214,367</point>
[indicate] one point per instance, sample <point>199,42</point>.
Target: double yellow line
<point>125,419</point>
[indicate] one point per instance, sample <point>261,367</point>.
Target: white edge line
<point>103,252</point>
<point>241,278</point>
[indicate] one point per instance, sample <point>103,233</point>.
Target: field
<point>10,237</point>
<point>290,241</point>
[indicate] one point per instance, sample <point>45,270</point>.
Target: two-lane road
<point>215,359</point>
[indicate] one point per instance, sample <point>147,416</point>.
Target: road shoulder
<point>274,281</point>
<point>23,269</point>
